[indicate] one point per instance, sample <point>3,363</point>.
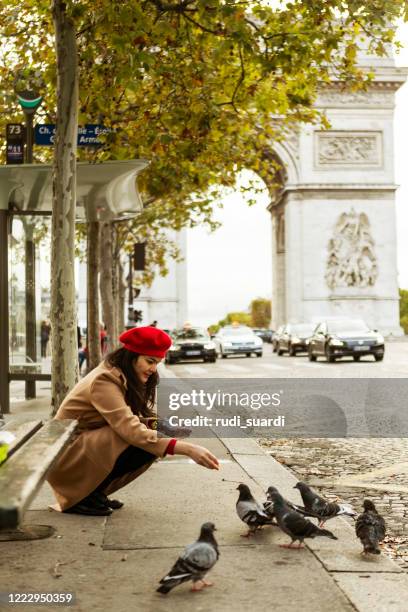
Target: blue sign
<point>88,135</point>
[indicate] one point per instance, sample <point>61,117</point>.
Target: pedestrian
<point>45,330</point>
<point>103,336</point>
<point>117,438</point>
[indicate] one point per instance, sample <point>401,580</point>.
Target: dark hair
<point>139,397</point>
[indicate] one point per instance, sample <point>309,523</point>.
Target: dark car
<point>345,338</point>
<point>191,343</point>
<point>275,338</point>
<point>263,333</point>
<point>295,338</point>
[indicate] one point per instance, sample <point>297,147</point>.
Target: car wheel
<point>273,348</point>
<point>330,358</point>
<point>259,354</point>
<point>311,356</point>
<point>356,357</point>
<point>292,351</point>
<point>378,357</point>
<point>280,352</point>
<point>248,354</point>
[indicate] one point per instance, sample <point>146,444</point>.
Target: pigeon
<point>268,504</point>
<point>197,559</point>
<point>294,524</point>
<point>370,528</point>
<point>320,508</point>
<point>250,512</point>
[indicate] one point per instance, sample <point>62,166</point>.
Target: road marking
<point>271,366</point>
<point>195,369</point>
<point>235,368</point>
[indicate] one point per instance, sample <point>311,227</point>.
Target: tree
<point>261,312</point>
<point>404,309</point>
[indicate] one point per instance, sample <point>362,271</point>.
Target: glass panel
<point>29,299</point>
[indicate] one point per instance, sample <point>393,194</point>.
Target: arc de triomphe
<point>333,221</point>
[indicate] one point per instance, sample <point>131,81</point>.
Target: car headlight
<point>209,345</point>
<point>379,339</point>
<point>295,339</point>
<point>227,344</point>
<point>336,342</point>
<point>174,347</point>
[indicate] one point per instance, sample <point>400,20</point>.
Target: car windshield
<point>303,328</point>
<point>194,333</point>
<point>237,331</point>
<point>353,325</point>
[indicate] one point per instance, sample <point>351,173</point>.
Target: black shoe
<point>85,507</point>
<point>103,499</point>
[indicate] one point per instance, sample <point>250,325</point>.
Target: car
<point>295,338</point>
<point>237,340</point>
<point>276,336</point>
<point>345,338</point>
<point>263,333</point>
<point>191,343</point>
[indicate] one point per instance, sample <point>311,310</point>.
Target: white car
<point>237,340</point>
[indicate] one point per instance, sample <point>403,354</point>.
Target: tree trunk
<point>63,306</point>
<point>106,284</point>
<point>93,323</point>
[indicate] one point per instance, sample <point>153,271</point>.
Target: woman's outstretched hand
<point>199,454</point>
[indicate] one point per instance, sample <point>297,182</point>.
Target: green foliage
<point>192,86</point>
<point>403,293</point>
<point>261,312</point>
<point>243,318</point>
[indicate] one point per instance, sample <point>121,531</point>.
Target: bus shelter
<point>105,191</point>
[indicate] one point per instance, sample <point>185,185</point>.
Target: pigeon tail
<point>327,533</point>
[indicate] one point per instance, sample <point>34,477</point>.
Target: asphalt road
<point>395,365</point>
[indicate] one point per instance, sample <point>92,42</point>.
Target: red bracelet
<point>170,447</point>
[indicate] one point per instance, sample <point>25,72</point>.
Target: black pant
<point>131,459</point>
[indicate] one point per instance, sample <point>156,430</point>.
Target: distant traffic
<point>330,338</point>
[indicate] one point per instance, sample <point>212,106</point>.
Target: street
<point>348,468</point>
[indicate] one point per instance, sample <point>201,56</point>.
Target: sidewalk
<point>115,563</point>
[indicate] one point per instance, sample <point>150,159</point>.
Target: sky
<point>226,269</point>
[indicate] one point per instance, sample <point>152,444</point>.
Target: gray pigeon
<point>268,504</point>
<point>250,512</point>
<point>370,528</point>
<point>197,559</point>
<point>294,524</point>
<point>320,508</point>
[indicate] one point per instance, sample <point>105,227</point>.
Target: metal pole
<point>31,318</point>
<point>4,315</point>
<point>31,315</point>
<point>130,280</point>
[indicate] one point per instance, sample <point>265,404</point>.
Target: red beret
<point>146,341</point>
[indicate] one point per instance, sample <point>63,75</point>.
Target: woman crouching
<point>116,439</point>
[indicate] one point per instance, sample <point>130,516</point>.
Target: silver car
<point>237,340</point>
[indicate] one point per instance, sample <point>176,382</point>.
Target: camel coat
<point>106,427</point>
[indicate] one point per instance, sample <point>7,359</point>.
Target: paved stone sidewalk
<point>115,563</point>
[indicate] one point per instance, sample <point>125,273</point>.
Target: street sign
<point>88,135</point>
<point>15,137</point>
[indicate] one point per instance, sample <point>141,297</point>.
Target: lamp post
<point>26,87</point>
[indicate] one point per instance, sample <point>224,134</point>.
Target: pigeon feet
<point>200,585</point>
<point>298,547</point>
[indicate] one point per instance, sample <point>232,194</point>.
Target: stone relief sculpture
<point>351,261</point>
<point>350,149</point>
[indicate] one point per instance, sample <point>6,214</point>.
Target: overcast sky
<point>233,265</point>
